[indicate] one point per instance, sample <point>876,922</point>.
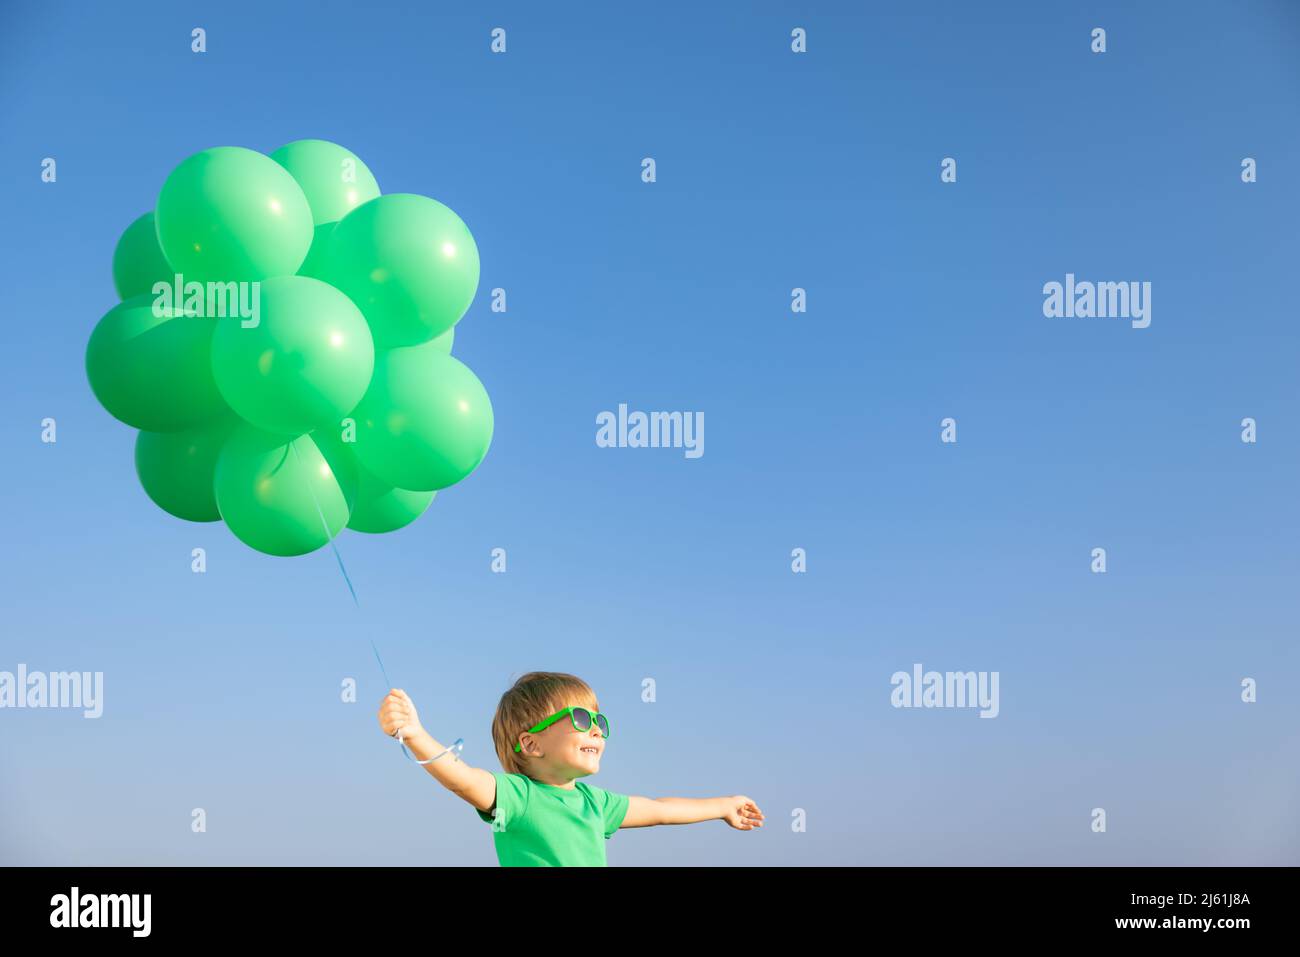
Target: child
<point>549,732</point>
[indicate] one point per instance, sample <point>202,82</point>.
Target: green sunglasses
<point>581,717</point>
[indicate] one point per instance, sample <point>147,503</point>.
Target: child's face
<point>568,751</point>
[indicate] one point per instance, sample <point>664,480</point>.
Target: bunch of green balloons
<point>283,344</point>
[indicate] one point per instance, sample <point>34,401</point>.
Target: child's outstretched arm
<point>738,811</point>
<point>475,785</point>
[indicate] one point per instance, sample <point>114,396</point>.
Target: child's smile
<point>590,747</point>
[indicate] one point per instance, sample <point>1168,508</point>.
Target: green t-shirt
<point>543,825</point>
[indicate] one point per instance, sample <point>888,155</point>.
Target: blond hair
<point>531,699</point>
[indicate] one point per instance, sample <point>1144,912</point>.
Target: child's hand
<point>742,813</point>
<point>397,712</point>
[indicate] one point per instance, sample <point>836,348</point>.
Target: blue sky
<point>775,170</point>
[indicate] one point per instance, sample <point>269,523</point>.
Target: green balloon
<point>273,492</point>
<point>153,372</point>
<point>305,363</point>
<point>425,422</point>
<point>313,265</point>
<point>233,214</point>
<point>138,260</point>
<point>443,342</point>
<point>332,178</point>
<point>176,469</point>
<point>376,506</point>
<point>409,262</point>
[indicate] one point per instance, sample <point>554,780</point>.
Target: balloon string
<point>459,744</point>
<point>329,537</point>
<point>338,557</point>
<point>388,684</point>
